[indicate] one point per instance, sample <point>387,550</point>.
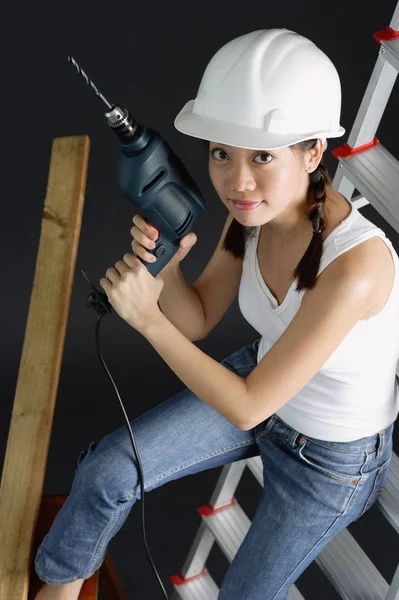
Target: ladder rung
<point>202,587</point>
<point>229,526</point>
<point>350,570</point>
<point>375,173</point>
<point>388,502</point>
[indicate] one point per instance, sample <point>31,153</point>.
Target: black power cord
<point>99,301</point>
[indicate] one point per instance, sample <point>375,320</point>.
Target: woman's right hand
<point>144,235</point>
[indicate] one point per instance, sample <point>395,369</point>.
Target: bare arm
<point>182,305</point>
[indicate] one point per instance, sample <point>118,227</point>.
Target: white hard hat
<point>266,89</point>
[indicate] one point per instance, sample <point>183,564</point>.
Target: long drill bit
<point>89,82</point>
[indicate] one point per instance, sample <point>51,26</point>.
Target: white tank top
<point>355,394</point>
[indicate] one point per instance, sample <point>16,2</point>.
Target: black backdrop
<point>148,57</point>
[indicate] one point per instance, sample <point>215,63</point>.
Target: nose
<point>242,178</point>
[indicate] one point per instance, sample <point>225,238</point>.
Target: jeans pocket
<point>241,361</point>
<point>344,467</point>
<point>380,479</point>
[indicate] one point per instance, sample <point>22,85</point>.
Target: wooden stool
<point>106,577</point>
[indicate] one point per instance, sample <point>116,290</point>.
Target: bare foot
<point>68,591</point>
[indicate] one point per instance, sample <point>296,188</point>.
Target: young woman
<point>315,395</point>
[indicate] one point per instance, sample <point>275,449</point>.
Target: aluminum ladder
<point>365,165</point>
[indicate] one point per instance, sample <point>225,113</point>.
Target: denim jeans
<point>312,489</point>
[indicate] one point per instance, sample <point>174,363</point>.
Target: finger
<point>142,238</point>
<point>105,284</point>
<point>112,275</point>
<point>122,266</point>
<point>130,260</point>
<point>142,252</point>
<point>146,228</point>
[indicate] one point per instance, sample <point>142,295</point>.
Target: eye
<point>264,154</point>
<point>216,150</point>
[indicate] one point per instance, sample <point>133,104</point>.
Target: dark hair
<point>307,268</point>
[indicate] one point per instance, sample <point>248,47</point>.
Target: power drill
<point>153,177</point>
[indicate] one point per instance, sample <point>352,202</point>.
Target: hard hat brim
<point>206,128</point>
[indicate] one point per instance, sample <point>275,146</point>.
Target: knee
<point>106,469</point>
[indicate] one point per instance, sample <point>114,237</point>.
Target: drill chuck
<point>122,122</point>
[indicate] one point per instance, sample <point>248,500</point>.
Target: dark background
<point>148,57</point>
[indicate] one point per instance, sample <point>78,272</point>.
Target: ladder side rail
<point>393,592</point>
<point>394,24</point>
<point>373,103</point>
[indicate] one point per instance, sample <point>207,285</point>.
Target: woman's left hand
<point>133,292</point>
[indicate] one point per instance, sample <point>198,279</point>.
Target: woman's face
<point>279,179</point>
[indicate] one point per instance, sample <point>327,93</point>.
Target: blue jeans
<point>312,489</point>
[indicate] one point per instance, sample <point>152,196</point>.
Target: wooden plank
<point>33,410</point>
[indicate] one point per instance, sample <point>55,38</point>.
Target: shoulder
<point>365,274</point>
<point>370,259</point>
<point>366,259</point>
<point>369,262</point>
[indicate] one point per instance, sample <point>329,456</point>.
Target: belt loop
<point>381,444</point>
<point>270,422</point>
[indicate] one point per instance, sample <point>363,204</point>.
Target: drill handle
<point>164,250</point>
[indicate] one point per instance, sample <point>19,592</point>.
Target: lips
<point>245,201</point>
<point>246,205</point>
